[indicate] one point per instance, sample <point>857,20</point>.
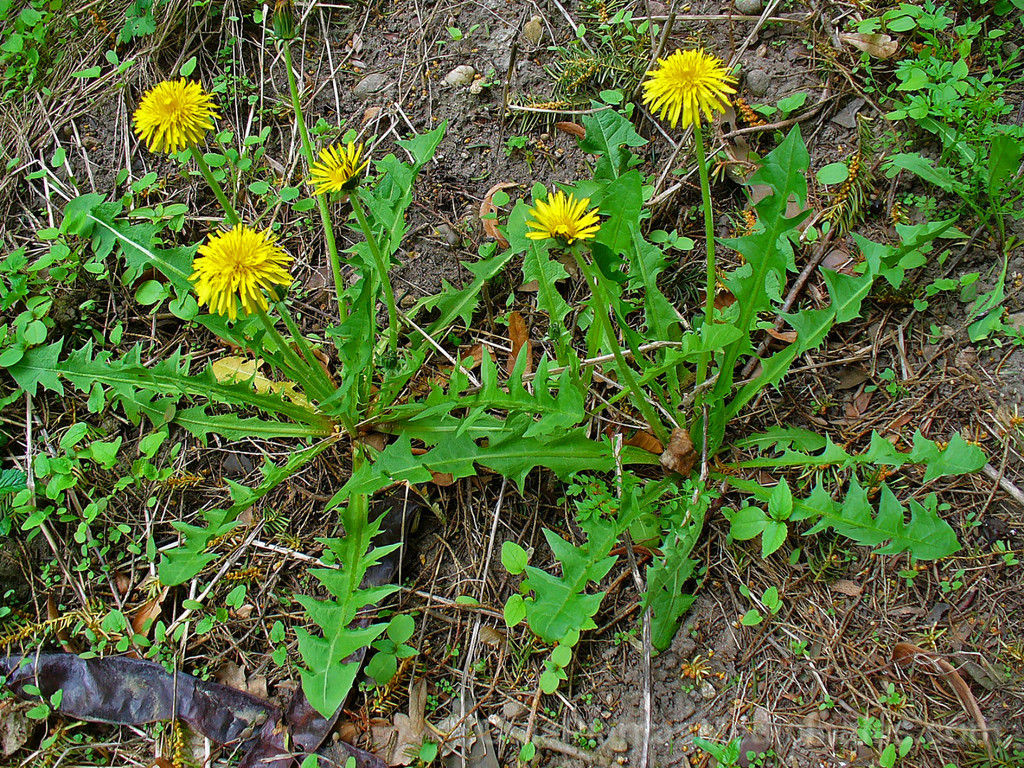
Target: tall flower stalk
<point>284,26</point>
<point>176,115</point>
<point>683,89</point>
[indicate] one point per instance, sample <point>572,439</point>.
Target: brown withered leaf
<point>787,336</point>
<point>878,45</point>
<point>573,129</point>
<point>405,737</point>
<point>645,441</point>
<point>724,299</point>
<point>851,376</point>
<point>519,335</point>
<point>848,588</point>
<point>15,726</point>
<point>859,406</point>
<point>907,654</point>
<point>487,207</point>
<point>147,614</point>
<point>679,456</point>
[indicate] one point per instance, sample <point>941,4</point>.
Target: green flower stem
<point>304,348</point>
<point>382,269</point>
<point>321,202</point>
<point>601,306</point>
<point>299,368</point>
<point>709,239</point>
<point>229,210</point>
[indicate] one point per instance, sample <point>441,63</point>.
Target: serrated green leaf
<point>39,367</point>
<point>607,132</point>
<point>957,458</point>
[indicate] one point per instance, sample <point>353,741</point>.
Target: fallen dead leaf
<point>231,675</point>
<point>491,636</point>
<point>679,456</point>
<point>487,207</point>
<point>15,726</point>
<point>851,376</point>
<point>907,654</point>
<point>573,129</point>
<point>519,335</point>
<point>787,336</point>
<point>370,114</point>
<point>645,441</point>
<point>147,614</point>
<point>878,45</point>
<point>409,728</point>
<point>847,587</point>
<point>724,299</point>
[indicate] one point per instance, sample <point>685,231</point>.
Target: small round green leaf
<point>833,173</point>
<point>515,610</point>
<point>514,557</point>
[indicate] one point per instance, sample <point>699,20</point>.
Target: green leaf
<point>559,608</point>
<point>957,458</point>
<point>39,367</point>
<point>748,523</point>
<point>925,536</point>
<point>780,501</point>
<point>913,162</point>
<point>515,611</point>
<point>847,292</point>
<point>1003,162</point>
<point>668,575</point>
<point>547,272</point>
<point>514,558</point>
<point>329,672</point>
<point>607,132</point>
<point>773,537</point>
<point>833,173</point>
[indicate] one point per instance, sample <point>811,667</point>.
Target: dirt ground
<point>801,688</point>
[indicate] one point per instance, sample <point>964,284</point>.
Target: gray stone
<point>847,116</point>
<point>371,85</point>
<point>748,7</point>
<point>533,30</point>
<point>757,81</point>
<point>460,76</point>
<point>616,743</point>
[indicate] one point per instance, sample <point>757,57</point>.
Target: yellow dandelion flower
<point>686,84</point>
<point>239,264</point>
<point>174,115</point>
<point>338,169</point>
<point>563,218</point>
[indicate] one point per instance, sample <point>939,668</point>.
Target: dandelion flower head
<point>174,115</point>
<point>563,218</point>
<point>239,265</point>
<point>338,168</point>
<point>686,84</point>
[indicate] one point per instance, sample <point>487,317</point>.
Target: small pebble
<point>533,30</point>
<point>461,75</point>
<point>757,81</point>
<point>748,7</point>
<point>371,85</point>
<point>616,743</point>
